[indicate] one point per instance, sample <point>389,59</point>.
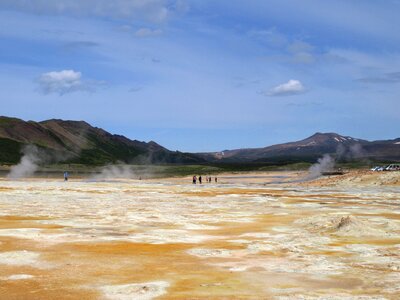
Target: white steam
<point>29,163</point>
<point>324,164</point>
<point>115,172</point>
<point>353,152</point>
<point>125,171</point>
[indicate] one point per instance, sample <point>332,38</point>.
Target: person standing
<point>66,175</point>
<point>194,179</point>
<point>200,179</point>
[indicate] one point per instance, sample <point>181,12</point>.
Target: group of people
<point>195,178</point>
<point>208,179</point>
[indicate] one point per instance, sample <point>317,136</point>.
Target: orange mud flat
<point>174,240</point>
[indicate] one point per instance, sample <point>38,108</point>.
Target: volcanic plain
<point>248,236</point>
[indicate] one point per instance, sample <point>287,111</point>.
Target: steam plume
<point>324,164</point>
<point>29,163</point>
<point>114,172</point>
<point>353,152</point>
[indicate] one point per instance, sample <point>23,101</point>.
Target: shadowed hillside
<point>79,142</point>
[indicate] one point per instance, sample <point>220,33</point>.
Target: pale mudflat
<point>247,237</point>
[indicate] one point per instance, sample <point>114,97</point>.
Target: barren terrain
<point>250,236</point>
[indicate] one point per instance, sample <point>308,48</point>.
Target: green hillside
<point>79,142</point>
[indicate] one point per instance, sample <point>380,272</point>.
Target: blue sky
<point>202,75</point>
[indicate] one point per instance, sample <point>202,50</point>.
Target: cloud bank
<point>148,10</point>
<point>292,87</point>
<point>393,77</point>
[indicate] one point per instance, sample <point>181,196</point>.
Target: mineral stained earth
<point>249,236</point>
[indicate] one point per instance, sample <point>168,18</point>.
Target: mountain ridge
<point>312,147</point>
<point>79,142</point>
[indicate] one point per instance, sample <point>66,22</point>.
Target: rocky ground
<point>357,178</point>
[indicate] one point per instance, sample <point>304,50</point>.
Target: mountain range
<point>344,148</point>
<point>79,142</point>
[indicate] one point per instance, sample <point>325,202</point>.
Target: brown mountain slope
<point>313,147</point>
<point>78,141</point>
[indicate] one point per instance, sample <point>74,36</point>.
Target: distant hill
<point>344,148</point>
<point>79,142</point>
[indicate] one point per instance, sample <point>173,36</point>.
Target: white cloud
<point>182,6</point>
<point>301,52</point>
<point>300,47</point>
<point>393,77</point>
<point>271,37</point>
<point>135,89</point>
<point>147,32</point>
<point>292,87</point>
<point>64,82</point>
<point>296,51</point>
<point>303,58</point>
<point>140,32</point>
<point>149,10</point>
